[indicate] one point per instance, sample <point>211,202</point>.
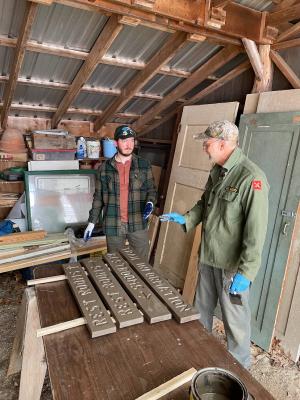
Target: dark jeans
<point>138,241</point>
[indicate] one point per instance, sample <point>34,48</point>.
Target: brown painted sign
<point>98,320</point>
<point>115,297</point>
<point>152,307</point>
<point>181,311</point>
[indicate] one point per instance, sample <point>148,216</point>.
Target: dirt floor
<point>275,372</point>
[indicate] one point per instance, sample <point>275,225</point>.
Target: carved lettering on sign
<point>117,300</point>
<point>98,320</point>
<point>152,307</point>
<point>181,311</point>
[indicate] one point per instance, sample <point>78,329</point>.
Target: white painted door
<point>189,174</point>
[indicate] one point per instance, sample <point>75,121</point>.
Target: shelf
<point>93,159</point>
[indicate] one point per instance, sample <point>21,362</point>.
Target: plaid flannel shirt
<point>107,195</point>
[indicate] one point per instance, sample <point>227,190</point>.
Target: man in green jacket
<point>124,196</point>
<point>233,211</point>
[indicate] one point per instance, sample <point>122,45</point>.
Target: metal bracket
<point>289,214</point>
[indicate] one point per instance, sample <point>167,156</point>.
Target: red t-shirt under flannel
<point>123,170</point>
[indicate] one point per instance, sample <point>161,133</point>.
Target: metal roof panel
<point>110,77</point>
<point>92,101</point>
<point>11,17</point>
<point>38,96</point>
<point>6,57</point>
<point>138,106</point>
<point>161,85</point>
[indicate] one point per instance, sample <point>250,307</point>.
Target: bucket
<point>109,148</point>
<point>217,384</point>
<point>93,149</point>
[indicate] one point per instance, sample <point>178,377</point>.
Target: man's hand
<point>239,284</point>
<point>88,231</point>
<point>173,217</point>
<point>148,209</point>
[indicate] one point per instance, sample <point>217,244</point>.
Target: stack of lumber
<point>8,199</point>
<point>23,249</point>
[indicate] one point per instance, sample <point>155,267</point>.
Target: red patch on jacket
<point>256,185</point>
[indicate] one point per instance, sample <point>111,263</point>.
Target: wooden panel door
<point>271,140</point>
<point>189,174</point>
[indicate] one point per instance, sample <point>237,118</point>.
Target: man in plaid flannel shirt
<point>125,194</point>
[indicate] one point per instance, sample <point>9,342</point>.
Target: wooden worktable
<point>128,363</point>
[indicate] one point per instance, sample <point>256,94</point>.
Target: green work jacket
<point>234,214</point>
<point>106,203</point>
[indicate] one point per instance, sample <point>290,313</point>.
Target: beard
<point>127,153</point>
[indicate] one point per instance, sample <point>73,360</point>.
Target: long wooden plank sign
<point>181,311</point>
<point>152,307</point>
<point>98,320</point>
<point>117,300</point>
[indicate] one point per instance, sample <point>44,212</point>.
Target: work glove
<point>148,209</point>
<point>239,284</point>
<point>88,231</point>
<point>173,217</point>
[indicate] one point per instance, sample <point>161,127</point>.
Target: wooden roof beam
<point>105,39</point>
<point>197,97</point>
<point>285,69</point>
<point>187,16</point>
<point>265,83</point>
<point>254,57</point>
<point>175,42</point>
<point>292,31</point>
<point>287,44</point>
<point>29,15</point>
<point>212,65</point>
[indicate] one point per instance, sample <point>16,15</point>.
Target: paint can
<point>109,148</point>
<point>217,384</point>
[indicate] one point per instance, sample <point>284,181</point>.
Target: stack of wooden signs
<point>119,290</point>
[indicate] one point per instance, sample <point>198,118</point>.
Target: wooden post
<point>265,84</point>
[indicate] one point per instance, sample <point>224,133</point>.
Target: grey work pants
<point>138,241</point>
<point>213,285</point>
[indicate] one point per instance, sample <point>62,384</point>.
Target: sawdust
<point>279,375</point>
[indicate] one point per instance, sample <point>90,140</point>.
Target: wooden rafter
<point>284,15</point>
<point>220,3</point>
<point>28,19</point>
<point>287,44</point>
<point>212,65</point>
<point>285,69</point>
<point>185,16</point>
<point>205,92</point>
<point>175,42</point>
<point>254,57</point>
<point>105,39</point>
<point>292,31</point>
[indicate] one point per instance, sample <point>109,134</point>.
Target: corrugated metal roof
<point>38,96</point>
<point>49,68</point>
<point>68,27</point>
<point>231,65</point>
<point>192,55</point>
<point>111,77</point>
<point>260,5</point>
<point>138,106</point>
<point>137,43</point>
<point>11,17</point>
<point>161,84</point>
<point>6,56</point>
<point>92,101</point>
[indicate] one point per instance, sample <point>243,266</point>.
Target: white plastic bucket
<point>93,149</point>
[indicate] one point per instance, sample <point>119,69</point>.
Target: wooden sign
<point>152,307</point>
<point>181,311</point>
<point>115,297</point>
<point>98,320</point>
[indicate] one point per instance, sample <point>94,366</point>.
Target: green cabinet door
<point>271,140</point>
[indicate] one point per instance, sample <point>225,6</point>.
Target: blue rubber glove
<point>239,283</point>
<point>148,209</point>
<point>173,217</point>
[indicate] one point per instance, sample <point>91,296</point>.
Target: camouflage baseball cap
<point>225,130</point>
